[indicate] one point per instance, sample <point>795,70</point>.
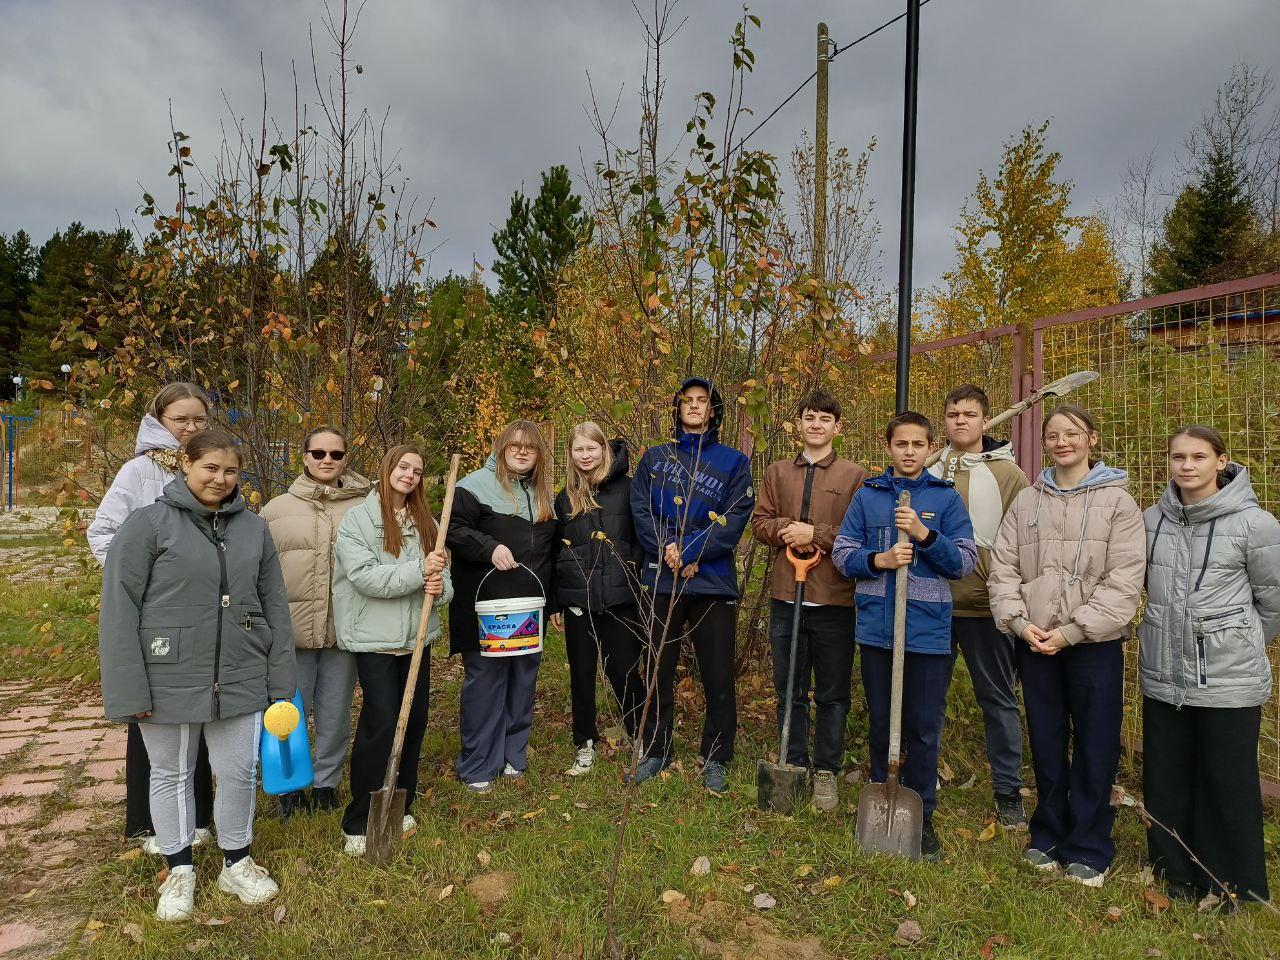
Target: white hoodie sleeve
<point>120,501</point>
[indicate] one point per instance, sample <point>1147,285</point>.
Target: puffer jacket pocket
<point>1227,650</point>
<point>162,649</point>
<point>1154,645</point>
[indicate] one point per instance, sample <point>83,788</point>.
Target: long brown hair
<point>543,491</point>
<point>580,487</point>
<point>418,506</point>
<point>1081,418</point>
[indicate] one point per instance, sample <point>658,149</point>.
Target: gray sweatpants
<point>327,679</point>
<point>233,755</point>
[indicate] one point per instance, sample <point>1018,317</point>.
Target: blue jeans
<point>924,703</point>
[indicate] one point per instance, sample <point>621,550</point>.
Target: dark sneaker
<point>1184,892</point>
<point>714,777</point>
<point>1039,859</point>
<point>1084,874</point>
<point>930,848</point>
<point>324,798</point>
<point>291,803</point>
<point>649,768</point>
<point>1010,812</point>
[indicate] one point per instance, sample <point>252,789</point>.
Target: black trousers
<point>614,636</point>
<point>137,786</point>
<point>1200,779</point>
<point>711,623</point>
<point>824,650</point>
<point>383,677</point>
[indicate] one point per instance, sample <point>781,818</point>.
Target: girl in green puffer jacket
<point>1213,604</point>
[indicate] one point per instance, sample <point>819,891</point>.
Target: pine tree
<point>536,243</point>
<point>1210,232</point>
<point>19,262</point>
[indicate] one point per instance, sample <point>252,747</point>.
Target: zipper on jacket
<point>1224,613</point>
<point>1202,663</point>
<point>224,601</point>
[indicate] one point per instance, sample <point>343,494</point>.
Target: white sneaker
<point>585,760</point>
<point>407,824</point>
<point>177,895</point>
<point>248,881</point>
<point>480,786</point>
<point>354,845</point>
<point>151,846</point>
<point>510,771</point>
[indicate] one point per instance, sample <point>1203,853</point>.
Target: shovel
<point>780,786</point>
<point>386,806</point>
<point>891,816</point>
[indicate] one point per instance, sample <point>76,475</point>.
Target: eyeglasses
<point>522,448</point>
<point>335,455</point>
<point>183,422</point>
<point>1071,436</point>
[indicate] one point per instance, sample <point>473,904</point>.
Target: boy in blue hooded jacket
<point>691,500</point>
<point>940,548</point>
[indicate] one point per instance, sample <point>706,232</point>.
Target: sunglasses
<point>335,455</point>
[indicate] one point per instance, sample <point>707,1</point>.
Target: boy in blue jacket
<point>691,500</point>
<point>940,548</point>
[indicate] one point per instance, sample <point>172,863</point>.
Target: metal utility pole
<point>908,204</point>
<point>820,160</point>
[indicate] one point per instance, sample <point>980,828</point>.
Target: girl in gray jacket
<point>1213,604</point>
<point>194,638</point>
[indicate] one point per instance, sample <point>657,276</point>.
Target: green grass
<point>558,854</point>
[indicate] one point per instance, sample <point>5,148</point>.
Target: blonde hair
<point>580,487</point>
<point>541,479</point>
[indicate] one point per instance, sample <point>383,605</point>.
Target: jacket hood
<point>178,494</point>
<point>1100,476</point>
<point>353,485</point>
<point>992,450</point>
<point>152,435</point>
<point>1235,494</point>
<point>712,433</point>
<point>621,460</point>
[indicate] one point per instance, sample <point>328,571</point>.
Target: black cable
<point>834,54</point>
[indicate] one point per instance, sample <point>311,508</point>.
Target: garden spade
<point>386,806</point>
<point>780,786</point>
<point>891,816</point>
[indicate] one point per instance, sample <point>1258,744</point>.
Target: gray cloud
<point>485,94</point>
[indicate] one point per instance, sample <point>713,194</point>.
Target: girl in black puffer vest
<point>597,584</point>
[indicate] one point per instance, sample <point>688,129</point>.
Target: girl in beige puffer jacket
<point>1066,578</point>
<point>304,524</point>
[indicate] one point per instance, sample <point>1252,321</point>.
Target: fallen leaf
<point>1115,914</point>
<point>1156,901</point>
<point>910,899</point>
<point>762,901</point>
<point>1146,876</point>
<point>1208,903</point>
<point>504,815</point>
<point>968,784</point>
<point>803,870</point>
<point>748,887</point>
<point>484,858</point>
<point>533,813</point>
<point>377,903</point>
<point>730,868</point>
<point>301,867</point>
<point>996,940</point>
<point>1153,952</point>
<point>162,875</point>
<point>217,921</point>
<point>908,932</point>
<point>553,796</point>
<point>833,881</point>
<point>445,893</point>
<point>133,853</point>
<point>673,896</point>
<point>964,833</point>
<point>582,806</point>
<point>945,771</point>
<point>94,925</point>
<point>195,946</point>
<point>988,833</point>
<point>701,867</point>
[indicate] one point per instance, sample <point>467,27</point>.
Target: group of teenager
<point>210,612</point>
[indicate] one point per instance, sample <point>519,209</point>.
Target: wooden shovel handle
<point>899,649</point>
<point>406,702</point>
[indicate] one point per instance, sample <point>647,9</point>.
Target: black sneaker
<point>930,848</point>
<point>324,798</point>
<point>649,768</point>
<point>1010,812</point>
<point>291,803</point>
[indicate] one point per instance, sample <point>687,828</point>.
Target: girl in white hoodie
<point>178,412</point>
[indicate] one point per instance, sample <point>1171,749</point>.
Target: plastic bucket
<point>512,627</point>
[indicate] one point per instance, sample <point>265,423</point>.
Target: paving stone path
<point>61,799</point>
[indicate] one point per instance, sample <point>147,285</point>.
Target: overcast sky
<point>484,94</point>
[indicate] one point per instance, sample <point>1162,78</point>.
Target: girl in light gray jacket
<point>194,638</point>
<point>1213,604</point>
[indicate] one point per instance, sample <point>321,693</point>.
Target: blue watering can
<point>285,750</point>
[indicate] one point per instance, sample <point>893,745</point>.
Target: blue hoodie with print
<point>676,489</point>
<point>948,553</point>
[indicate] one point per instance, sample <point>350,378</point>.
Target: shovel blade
<point>781,787</point>
<point>386,819</point>
<point>890,820</point>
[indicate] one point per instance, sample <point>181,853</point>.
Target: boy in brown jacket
<point>801,505</point>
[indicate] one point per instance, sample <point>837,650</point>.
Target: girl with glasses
<point>179,412</point>
<point>304,524</point>
<point>503,522</point>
